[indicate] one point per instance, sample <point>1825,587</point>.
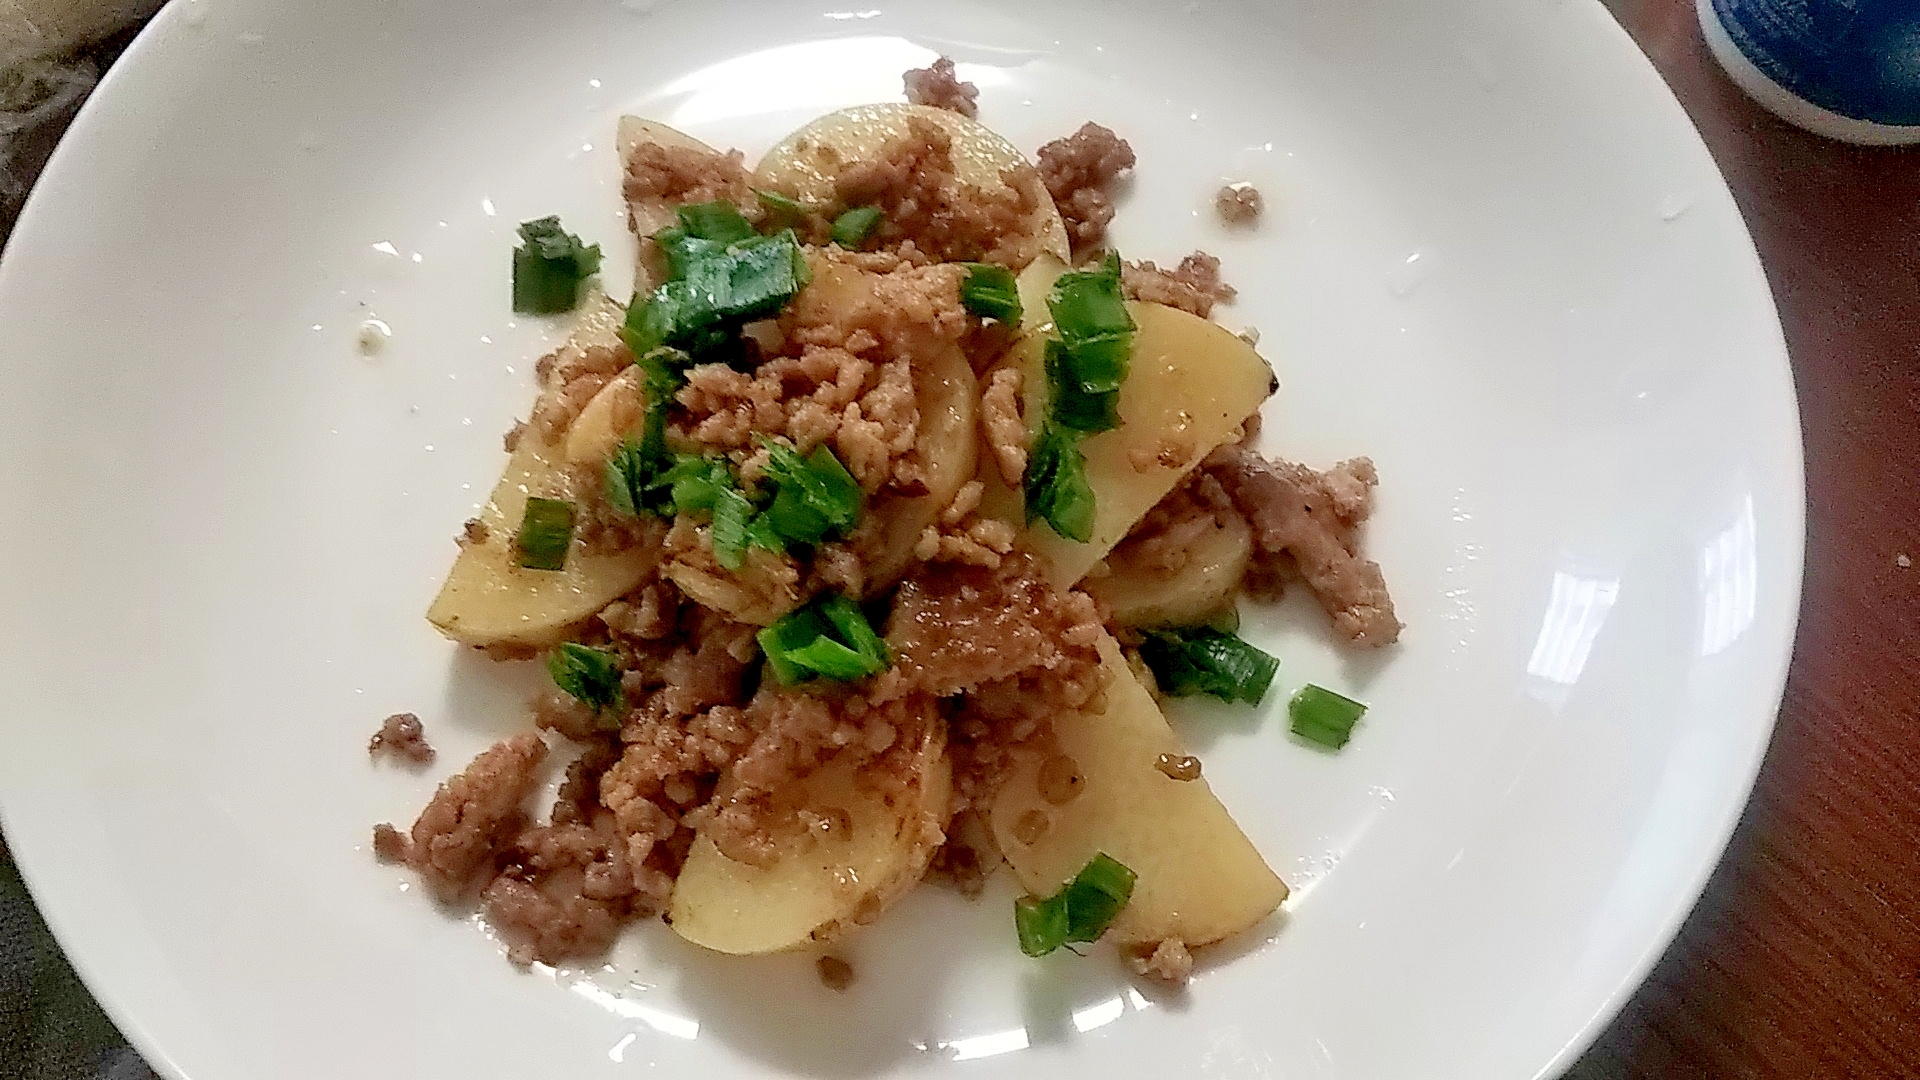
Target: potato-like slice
<point>805,163</point>
<point>1190,385</point>
<point>948,397</point>
<point>1141,595</point>
<point>823,886</point>
<point>488,600</point>
<point>1033,284</point>
<point>606,420</point>
<point>1199,877</point>
<point>649,216</point>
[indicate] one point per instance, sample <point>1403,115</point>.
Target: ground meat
<point>1079,171</point>
<point>658,173</point>
<point>473,532</point>
<point>573,373</point>
<point>1169,962</point>
<point>389,844</point>
<point>562,893</point>
<point>922,200</point>
<point>1194,286</point>
<point>835,974</point>
<point>1162,543</point>
<point>1239,204</point>
<point>473,813</point>
<point>1306,522</point>
<point>939,87</point>
<point>954,629</point>
<point>401,736</point>
<point>1000,421</point>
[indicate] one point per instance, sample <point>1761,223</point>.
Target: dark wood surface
<point>1803,957</point>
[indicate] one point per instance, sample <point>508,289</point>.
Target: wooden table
<point>1803,957</point>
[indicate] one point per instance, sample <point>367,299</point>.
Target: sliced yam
<point>805,163</point>
<point>1141,595</point>
<point>1199,878</point>
<point>823,885</point>
<point>1190,385</point>
<point>489,600</point>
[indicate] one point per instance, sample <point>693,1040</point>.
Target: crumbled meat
<point>969,855</point>
<point>562,892</point>
<point>401,736</point>
<point>473,532</point>
<point>1079,172</point>
<point>474,813</point>
<point>1307,522</point>
<point>1194,286</point>
<point>389,844</point>
<point>1239,204</point>
<point>939,87</point>
<point>835,974</point>
<point>572,374</point>
<point>1169,962</point>
<point>1006,433</point>
<point>683,175</point>
<point>511,440</point>
<point>923,200</point>
<point>1162,543</point>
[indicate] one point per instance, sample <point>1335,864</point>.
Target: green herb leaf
<point>1070,404</point>
<point>1056,485</point>
<point>814,496</point>
<point>781,207</point>
<point>714,289</point>
<point>990,292</point>
<point>549,266</point>
<point>1203,660</point>
<point>1041,924</point>
<point>1088,304</point>
<point>1082,910</point>
<point>719,221</point>
<point>851,229</point>
<point>546,529</point>
<point>591,675</point>
<point>732,514</point>
<point>1321,716</point>
<point>829,638</point>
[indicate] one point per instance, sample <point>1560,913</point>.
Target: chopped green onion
<point>638,469</point>
<point>549,266</point>
<point>1041,924</point>
<point>714,289</point>
<point>814,496</point>
<point>829,638</point>
<point>851,229</point>
<point>546,528</point>
<point>1203,660</point>
<point>1321,716</point>
<point>732,517</point>
<point>1056,485</point>
<point>989,292</point>
<point>781,207</point>
<point>1082,910</point>
<point>1088,304</point>
<point>591,675</point>
<point>719,221</point>
<point>1072,406</point>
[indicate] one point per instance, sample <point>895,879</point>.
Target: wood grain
<point>1803,958</point>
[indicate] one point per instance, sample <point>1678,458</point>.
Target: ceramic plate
<point>1496,258</point>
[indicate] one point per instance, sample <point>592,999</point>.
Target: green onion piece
<point>1082,910</point>
<point>1056,485</point>
<point>990,292</point>
<point>781,207</point>
<point>714,290</point>
<point>1323,717</point>
<point>591,675</point>
<point>850,229</point>
<point>829,638</point>
<point>1096,897</point>
<point>1041,924</point>
<point>1203,660</point>
<point>732,514</point>
<point>1071,405</point>
<point>549,266</point>
<point>546,528</point>
<point>1088,304</point>
<point>719,221</point>
<point>814,495</point>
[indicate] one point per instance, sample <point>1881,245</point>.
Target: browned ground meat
<point>939,87</point>
<point>1169,962</point>
<point>1001,423</point>
<point>401,736</point>
<point>1239,204</point>
<point>835,974</point>
<point>569,378</point>
<point>922,200</point>
<point>1079,171</point>
<point>389,843</point>
<point>683,174</point>
<point>1194,286</point>
<point>962,535</point>
<point>1161,544</point>
<point>562,892</point>
<point>474,813</point>
<point>1306,522</point>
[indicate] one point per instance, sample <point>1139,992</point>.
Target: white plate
<point>1496,258</point>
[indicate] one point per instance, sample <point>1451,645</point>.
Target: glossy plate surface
<point>1496,258</point>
